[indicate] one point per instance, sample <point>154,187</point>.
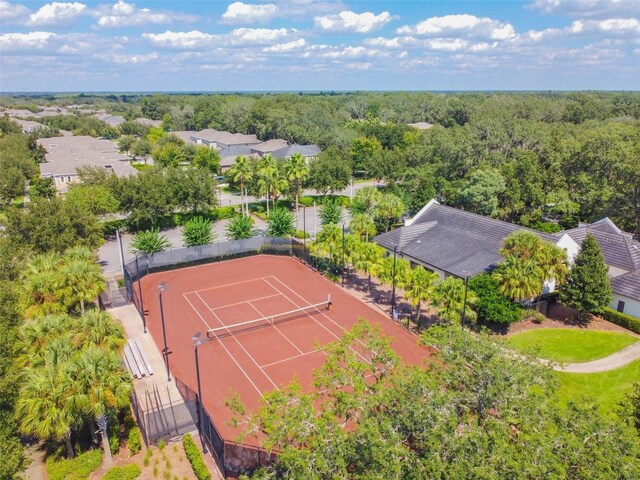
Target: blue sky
<point>319,45</point>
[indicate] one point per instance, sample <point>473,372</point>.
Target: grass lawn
<point>569,345</point>
<point>608,388</point>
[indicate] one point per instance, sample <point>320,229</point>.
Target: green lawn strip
<point>607,388</point>
<point>78,468</point>
<point>568,345</point>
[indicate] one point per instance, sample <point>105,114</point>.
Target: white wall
<point>631,306</point>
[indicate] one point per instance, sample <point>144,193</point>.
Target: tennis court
<point>264,318</point>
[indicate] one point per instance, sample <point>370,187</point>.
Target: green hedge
<point>622,319</point>
<point>135,444</point>
<point>195,458</point>
<point>78,468</point>
<point>126,472</point>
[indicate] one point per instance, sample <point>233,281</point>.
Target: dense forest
<point>538,159</point>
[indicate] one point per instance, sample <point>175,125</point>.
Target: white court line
<point>292,358</point>
<point>226,350</point>
<point>241,346</point>
<point>244,301</point>
<point>196,310</point>
<point>317,309</point>
<point>226,284</point>
<point>274,326</point>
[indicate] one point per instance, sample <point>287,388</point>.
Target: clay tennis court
<point>268,350</point>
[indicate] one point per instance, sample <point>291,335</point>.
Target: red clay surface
<point>257,360</point>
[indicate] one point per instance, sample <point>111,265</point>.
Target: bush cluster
<point>135,444</point>
<point>78,468</point>
<point>126,472</point>
<point>195,458</point>
<point>622,319</point>
<point>492,307</point>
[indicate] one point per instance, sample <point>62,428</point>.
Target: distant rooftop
<point>290,150</point>
<point>66,154</point>
<point>421,125</point>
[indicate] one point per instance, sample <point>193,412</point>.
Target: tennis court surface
<point>264,317</point>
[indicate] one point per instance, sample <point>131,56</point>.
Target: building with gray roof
<point>450,241</point>
<point>306,151</point>
<point>66,154</point>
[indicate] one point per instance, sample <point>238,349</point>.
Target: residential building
<point>218,139</point>
<point>421,125</point>
<point>148,122</point>
<point>450,241</point>
<point>306,151</point>
<point>269,146</point>
<point>66,154</point>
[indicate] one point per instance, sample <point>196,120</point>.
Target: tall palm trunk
<point>82,306</point>
<point>297,193</point>
<point>69,445</point>
<point>108,458</point>
<point>242,194</point>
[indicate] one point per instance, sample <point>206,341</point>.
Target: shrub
<point>534,316</point>
<point>224,212</point>
<point>622,319</point>
<point>78,468</point>
<point>198,231</point>
<point>306,201</point>
<point>135,445</point>
<point>161,445</point>
<point>492,307</point>
<point>302,234</point>
<point>126,472</point>
<point>280,223</point>
<point>195,458</point>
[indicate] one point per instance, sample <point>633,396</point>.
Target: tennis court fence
<point>143,265</point>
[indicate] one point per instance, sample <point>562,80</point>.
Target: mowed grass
<point>570,345</point>
<point>607,388</point>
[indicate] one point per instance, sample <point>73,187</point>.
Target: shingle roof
<point>148,122</point>
<point>627,285</point>
<point>228,155</point>
<point>619,249</point>
<point>421,125</point>
<point>66,154</point>
<point>457,242</point>
<point>269,146</point>
<point>304,150</point>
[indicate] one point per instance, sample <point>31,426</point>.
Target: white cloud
<point>348,21</point>
<point>25,41</point>
<point>124,59</point>
<point>461,25</point>
<point>236,38</point>
<point>616,26</point>
<point>587,8</point>
<point>286,47</point>
<point>12,12</point>
<point>57,13</point>
<point>395,42</point>
<point>239,12</point>
<point>123,14</point>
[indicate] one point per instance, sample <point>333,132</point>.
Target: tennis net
<point>269,320</point>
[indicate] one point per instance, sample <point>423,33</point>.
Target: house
<point>269,146</point>
<point>217,139</point>
<point>307,152</point>
<point>449,241</point>
<point>66,154</point>
<point>622,256</point>
<point>421,125</point>
<point>228,155</point>
<point>147,122</point>
<point>112,120</point>
<point>28,126</point>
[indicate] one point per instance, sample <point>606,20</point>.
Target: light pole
<point>464,304</point>
<point>315,214</point>
<point>165,350</point>
<point>196,343</point>
<point>393,291</point>
<point>120,251</point>
<point>304,229</point>
<point>343,260</point>
<point>144,320</point>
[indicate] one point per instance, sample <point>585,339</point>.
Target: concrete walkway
<point>611,362</point>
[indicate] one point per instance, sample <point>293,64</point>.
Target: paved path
<point>613,361</point>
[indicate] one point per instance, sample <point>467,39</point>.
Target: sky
<point>311,45</point>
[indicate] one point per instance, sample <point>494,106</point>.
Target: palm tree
<point>149,242</point>
<point>80,253</point>
<point>99,329</point>
<point>82,281</point>
<point>241,171</point>
<point>384,270</point>
<point>518,278</point>
<point>35,335</point>
<point>297,171</point>
<point>362,224</point>
<point>449,295</point>
<point>100,384</point>
<point>419,287</point>
<point>267,176</point>
<point>365,256</point>
<point>329,242</point>
<point>41,293</point>
<point>280,223</point>
<point>43,407</point>
<point>198,231</point>
<point>240,227</point>
<point>553,263</point>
